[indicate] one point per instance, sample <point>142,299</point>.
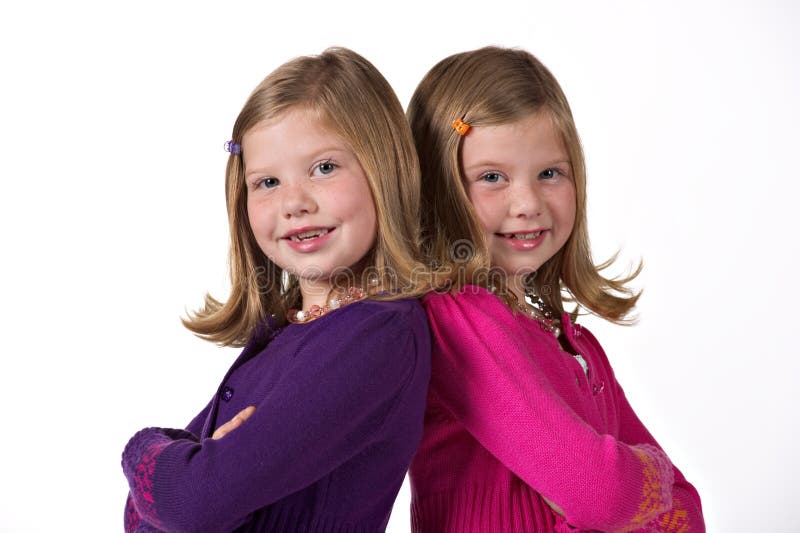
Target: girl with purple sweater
<point>313,427</point>
<point>526,427</point>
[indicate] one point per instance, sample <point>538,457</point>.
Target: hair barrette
<point>460,126</point>
<point>233,148</point>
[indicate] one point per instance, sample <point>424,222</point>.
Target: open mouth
<point>521,236</point>
<point>311,234</point>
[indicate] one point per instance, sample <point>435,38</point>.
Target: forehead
<point>533,136</point>
<point>296,133</point>
<point>303,122</point>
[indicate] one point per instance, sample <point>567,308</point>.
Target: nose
<point>525,200</point>
<point>298,200</point>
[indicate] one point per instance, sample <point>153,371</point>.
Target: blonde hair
<point>493,86</point>
<point>355,102</point>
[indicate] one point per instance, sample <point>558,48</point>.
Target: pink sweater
<point>510,416</point>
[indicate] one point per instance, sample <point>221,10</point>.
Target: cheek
<point>250,211</point>
<point>260,216</point>
<point>571,217</point>
<point>364,218</point>
<point>565,209</point>
<point>354,201</point>
<point>251,219</point>
<point>359,211</point>
<point>369,218</point>
<point>488,209</point>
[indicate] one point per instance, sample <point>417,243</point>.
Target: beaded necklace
<point>534,307</point>
<point>352,294</point>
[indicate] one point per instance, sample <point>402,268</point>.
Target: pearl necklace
<point>537,309</point>
<point>298,316</point>
<point>534,307</point>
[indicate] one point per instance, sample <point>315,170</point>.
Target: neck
<point>319,291</point>
<point>314,292</point>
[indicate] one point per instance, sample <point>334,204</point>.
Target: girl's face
<point>308,200</point>
<point>518,177</point>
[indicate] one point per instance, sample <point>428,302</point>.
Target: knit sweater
<point>512,416</point>
<point>339,411</point>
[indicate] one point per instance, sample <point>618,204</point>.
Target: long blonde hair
<point>355,102</point>
<point>494,86</point>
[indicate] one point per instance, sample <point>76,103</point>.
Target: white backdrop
<point>113,219</point>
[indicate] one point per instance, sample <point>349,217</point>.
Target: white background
<point>113,219</point>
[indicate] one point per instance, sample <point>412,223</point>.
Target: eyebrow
<point>312,154</point>
<point>490,163</point>
<point>482,164</point>
<point>558,162</point>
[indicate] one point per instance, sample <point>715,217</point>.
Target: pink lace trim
<point>143,482</point>
<point>132,518</point>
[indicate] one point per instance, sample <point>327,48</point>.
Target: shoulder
<point>474,326</point>
<point>399,314</point>
<point>402,306</point>
<point>382,341</point>
<point>386,342</point>
<point>469,305</point>
<point>368,324</point>
<point>468,297</point>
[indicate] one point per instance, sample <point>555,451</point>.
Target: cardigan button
<point>227,393</point>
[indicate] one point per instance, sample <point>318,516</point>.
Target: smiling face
<point>518,178</point>
<point>308,201</point>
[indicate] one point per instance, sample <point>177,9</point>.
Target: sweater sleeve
<point>488,377</point>
<point>133,521</point>
<point>328,406</point>
<point>686,514</point>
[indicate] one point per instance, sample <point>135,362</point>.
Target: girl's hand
<point>233,423</point>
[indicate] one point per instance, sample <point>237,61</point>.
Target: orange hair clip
<point>460,126</point>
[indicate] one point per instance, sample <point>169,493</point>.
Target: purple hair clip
<point>233,148</point>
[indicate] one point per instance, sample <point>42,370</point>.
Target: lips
<point>308,238</point>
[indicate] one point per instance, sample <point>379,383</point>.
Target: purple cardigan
<point>339,412</point>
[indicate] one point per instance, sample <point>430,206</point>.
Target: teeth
<point>308,235</point>
<point>523,235</point>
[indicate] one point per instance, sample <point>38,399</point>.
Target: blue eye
<point>491,177</point>
<point>324,168</point>
<point>268,183</point>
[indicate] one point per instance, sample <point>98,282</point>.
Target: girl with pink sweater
<point>526,427</point>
